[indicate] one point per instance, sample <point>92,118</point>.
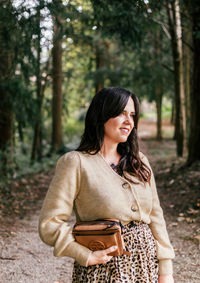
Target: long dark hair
<point>106,104</point>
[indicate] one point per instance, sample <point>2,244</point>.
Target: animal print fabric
<point>140,267</point>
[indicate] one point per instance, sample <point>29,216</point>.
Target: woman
<point>108,177</point>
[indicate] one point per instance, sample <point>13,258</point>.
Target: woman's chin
<point>121,140</point>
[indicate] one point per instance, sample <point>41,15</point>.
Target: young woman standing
<point>108,177</point>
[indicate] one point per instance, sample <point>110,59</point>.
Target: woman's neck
<point>109,152</point>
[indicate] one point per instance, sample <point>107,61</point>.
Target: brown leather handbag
<point>100,234</point>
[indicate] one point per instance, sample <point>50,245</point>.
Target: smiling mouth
<point>124,130</point>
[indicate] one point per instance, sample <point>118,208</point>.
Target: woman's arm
<point>165,252</point>
<point>166,279</point>
<point>57,208</point>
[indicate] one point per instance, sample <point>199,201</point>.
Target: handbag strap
<point>126,253</point>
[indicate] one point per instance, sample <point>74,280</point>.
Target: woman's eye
<point>123,113</point>
<point>126,114</point>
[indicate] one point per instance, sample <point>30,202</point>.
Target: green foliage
<point>73,132</point>
<point>20,99</point>
<point>8,26</point>
<point>166,109</point>
<point>124,31</point>
<point>123,19</point>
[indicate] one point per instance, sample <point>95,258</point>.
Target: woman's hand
<point>166,279</point>
<point>101,257</point>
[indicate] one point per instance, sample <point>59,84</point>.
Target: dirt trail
<point>27,259</point>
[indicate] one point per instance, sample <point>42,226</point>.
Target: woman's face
<point>117,129</point>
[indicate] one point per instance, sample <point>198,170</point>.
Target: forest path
<point>25,259</point>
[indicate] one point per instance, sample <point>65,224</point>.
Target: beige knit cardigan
<point>87,184</point>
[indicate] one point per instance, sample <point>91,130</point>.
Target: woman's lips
<point>124,130</point>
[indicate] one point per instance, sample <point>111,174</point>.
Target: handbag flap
<point>99,224</point>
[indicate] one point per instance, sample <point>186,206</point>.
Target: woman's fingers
<point>109,250</point>
<point>104,253</point>
<point>99,257</point>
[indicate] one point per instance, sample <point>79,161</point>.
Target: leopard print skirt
<point>140,267</point>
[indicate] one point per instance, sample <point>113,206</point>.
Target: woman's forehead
<point>130,106</point>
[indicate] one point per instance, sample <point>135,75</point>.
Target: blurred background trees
<point>56,54</point>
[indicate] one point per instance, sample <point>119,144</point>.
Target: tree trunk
<point>187,40</point>
<point>176,36</point>
<point>7,68</point>
<point>21,137</point>
<point>194,137</point>
<point>173,115</point>
<point>6,116</point>
<point>158,82</point>
<point>6,129</point>
<point>57,140</point>
<point>99,81</point>
<point>158,93</point>
<point>37,143</point>
<point>172,122</point>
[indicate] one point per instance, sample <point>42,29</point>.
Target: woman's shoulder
<point>74,156</point>
<point>71,157</point>
<point>143,157</point>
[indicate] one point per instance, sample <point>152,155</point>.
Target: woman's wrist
<point>166,279</point>
<point>165,267</point>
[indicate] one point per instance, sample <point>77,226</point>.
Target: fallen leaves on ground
<point>21,196</point>
<point>179,189</point>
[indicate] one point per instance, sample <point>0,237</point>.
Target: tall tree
<point>187,57</point>
<point>193,8</point>
<point>8,24</point>
<point>174,18</point>
<point>37,143</point>
<point>158,85</point>
<point>57,138</point>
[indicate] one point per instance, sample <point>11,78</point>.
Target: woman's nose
<point>129,120</point>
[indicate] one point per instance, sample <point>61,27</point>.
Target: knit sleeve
<point>165,252</point>
<point>54,228</point>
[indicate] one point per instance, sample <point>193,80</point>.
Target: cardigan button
<point>134,208</point>
<point>126,185</point>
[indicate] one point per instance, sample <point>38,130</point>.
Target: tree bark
<point>172,119</point>
<point>158,93</point>
<point>21,137</point>
<point>194,137</point>
<point>173,115</point>
<point>37,143</point>
<point>158,81</point>
<point>174,18</point>
<point>57,139</point>
<point>187,51</point>
<point>6,113</point>
<point>7,68</point>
